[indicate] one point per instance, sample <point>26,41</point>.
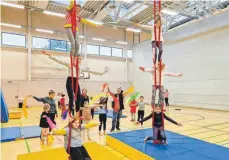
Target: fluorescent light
<point>95,22</point>
<point>98,39</point>
<point>133,30</point>
<point>120,42</point>
<point>81,36</point>
<point>10,25</point>
<point>128,1</point>
<point>54,13</point>
<point>12,5</point>
<point>169,12</point>
<point>44,30</point>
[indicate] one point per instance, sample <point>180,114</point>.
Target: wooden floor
<point>207,125</point>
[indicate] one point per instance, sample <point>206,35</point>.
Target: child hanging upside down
<point>158,84</point>
<point>71,90</point>
<point>77,150</point>
<point>158,126</point>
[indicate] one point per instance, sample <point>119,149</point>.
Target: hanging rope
<point>157,43</point>
<point>73,22</point>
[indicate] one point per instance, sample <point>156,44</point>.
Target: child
<point>74,37</point>
<point>87,117</point>
<point>77,150</point>
<point>43,123</point>
<point>133,106</point>
<point>158,84</point>
<point>102,114</point>
<point>155,40</point>
<point>166,97</point>
<point>158,124</point>
<point>141,109</point>
<point>62,104</point>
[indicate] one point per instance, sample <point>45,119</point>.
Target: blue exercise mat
<point>4,109</point>
<point>10,134</point>
<point>30,132</point>
<point>179,148</point>
<point>110,114</point>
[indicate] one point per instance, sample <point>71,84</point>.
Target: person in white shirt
<point>157,39</point>
<point>159,85</point>
<point>71,90</point>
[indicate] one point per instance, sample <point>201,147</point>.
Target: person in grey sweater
<point>51,101</point>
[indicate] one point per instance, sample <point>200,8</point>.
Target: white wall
<point>203,59</point>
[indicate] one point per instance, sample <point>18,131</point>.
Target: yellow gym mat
<point>96,151</point>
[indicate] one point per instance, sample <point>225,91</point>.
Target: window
<point>13,39</point>
<point>92,49</point>
<point>129,53</point>
<point>41,43</point>
<point>117,52</point>
<point>105,51</point>
<point>69,47</point>
<point>58,45</point>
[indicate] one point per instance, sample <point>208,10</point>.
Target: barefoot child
<point>77,150</point>
<point>158,124</point>
<point>43,123</point>
<point>87,117</point>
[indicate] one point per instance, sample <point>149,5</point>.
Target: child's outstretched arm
<point>111,94</point>
<point>172,74</point>
<point>90,125</point>
<point>71,4</point>
<point>59,131</point>
<point>146,69</point>
<point>171,120</point>
<point>88,22</point>
<point>93,72</point>
<point>38,99</point>
<point>56,60</point>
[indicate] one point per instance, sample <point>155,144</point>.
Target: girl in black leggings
<point>71,90</point>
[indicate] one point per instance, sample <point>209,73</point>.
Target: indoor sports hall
<point>114,79</point>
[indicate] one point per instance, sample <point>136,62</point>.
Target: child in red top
<point>62,104</point>
<point>133,105</point>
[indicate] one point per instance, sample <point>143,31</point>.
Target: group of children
<point>75,148</point>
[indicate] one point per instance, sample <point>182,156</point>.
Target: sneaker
<point>100,133</point>
<point>118,129</point>
<point>104,132</point>
<point>165,142</point>
<point>146,139</point>
<point>112,130</point>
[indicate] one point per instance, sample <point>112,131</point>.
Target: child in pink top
<point>133,106</point>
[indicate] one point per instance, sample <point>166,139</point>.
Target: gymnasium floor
<point>206,125</point>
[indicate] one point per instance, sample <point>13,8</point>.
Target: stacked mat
<point>15,133</point>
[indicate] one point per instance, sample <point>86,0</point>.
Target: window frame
<point>42,38</point>
<point>58,40</point>
<point>13,34</point>
<point>116,48</point>
<point>93,45</point>
<point>105,55</point>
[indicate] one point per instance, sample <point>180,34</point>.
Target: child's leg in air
<point>161,96</point>
<point>153,95</point>
<point>160,46</point>
<point>72,41</point>
<point>154,47</point>
<point>77,45</point>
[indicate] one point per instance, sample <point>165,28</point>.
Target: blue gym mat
<point>30,132</point>
<point>179,148</point>
<point>110,114</point>
<point>10,134</point>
